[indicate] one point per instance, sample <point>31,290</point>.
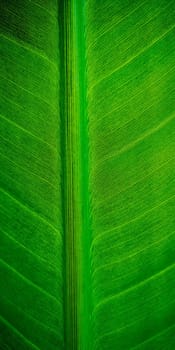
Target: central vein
<point>75,175</point>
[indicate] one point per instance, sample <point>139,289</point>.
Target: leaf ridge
<point>137,252</point>
<point>159,38</point>
<point>26,248</point>
<point>134,143</point>
<point>26,131</point>
<point>167,329</point>
<point>27,170</point>
<point>27,314</point>
<point>120,107</point>
<point>99,237</point>
<point>136,286</point>
<point>28,91</point>
<point>29,48</point>
<point>114,25</point>
<point>135,183</point>
<point>31,211</point>
<point>28,281</point>
<point>16,331</point>
<point>125,327</point>
<point>44,8</point>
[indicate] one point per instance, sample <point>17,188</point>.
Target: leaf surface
<point>30,194</point>
<point>131,120</point>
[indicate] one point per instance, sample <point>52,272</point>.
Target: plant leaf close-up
<point>31,304</point>
<point>87,175</point>
<point>131,114</point>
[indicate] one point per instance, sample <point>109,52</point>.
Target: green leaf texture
<point>31,304</point>
<point>131,116</point>
<point>87,175</point>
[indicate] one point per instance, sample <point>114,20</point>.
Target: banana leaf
<point>87,175</point>
<point>31,305</point>
<point>131,116</point>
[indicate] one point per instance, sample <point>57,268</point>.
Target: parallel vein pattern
<point>131,115</point>
<point>31,296</point>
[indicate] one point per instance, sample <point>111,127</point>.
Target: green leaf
<point>87,176</point>
<point>30,206</point>
<point>131,113</point>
